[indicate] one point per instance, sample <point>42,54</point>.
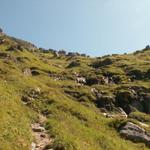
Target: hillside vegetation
<point>79,96</point>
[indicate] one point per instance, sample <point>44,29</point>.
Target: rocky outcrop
<point>74,64</point>
<point>72,54</point>
<point>106,102</point>
<point>116,79</point>
<point>135,133</point>
<point>1,32</point>
<point>100,63</point>
<point>92,80</point>
<point>31,95</point>
<point>31,72</point>
<point>2,41</point>
<point>147,75</point>
<point>136,74</point>
<point>147,47</point>
<point>146,103</point>
<point>124,99</point>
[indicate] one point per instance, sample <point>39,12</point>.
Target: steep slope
<point>74,93</point>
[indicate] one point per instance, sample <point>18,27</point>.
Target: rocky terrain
<point>54,100</point>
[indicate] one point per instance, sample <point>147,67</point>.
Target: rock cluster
<point>42,139</point>
<point>64,53</point>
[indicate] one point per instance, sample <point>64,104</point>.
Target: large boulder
<point>135,133</point>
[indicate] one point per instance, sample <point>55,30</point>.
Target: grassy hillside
<point>74,112</point>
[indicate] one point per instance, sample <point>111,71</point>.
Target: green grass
<point>73,119</point>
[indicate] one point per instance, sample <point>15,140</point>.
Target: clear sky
<point>95,27</point>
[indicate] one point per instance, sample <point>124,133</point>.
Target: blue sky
<point>95,27</point>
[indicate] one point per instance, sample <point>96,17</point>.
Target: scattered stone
<point>27,99</point>
<point>2,41</point>
<point>72,54</point>
<point>27,72</point>
<point>13,48</point>
<point>122,112</point>
<point>81,80</point>
<point>4,55</point>
<point>37,90</point>
<point>56,54</point>
<point>38,128</point>
<point>62,52</point>
<point>42,139</point>
<point>33,146</point>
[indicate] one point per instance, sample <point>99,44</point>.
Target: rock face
<point>136,74</point>
<point>92,80</point>
<point>124,99</point>
<point>74,64</point>
<point>148,74</point>
<point>105,102</point>
<point>100,63</point>
<point>147,47</point>
<point>135,133</point>
<point>146,103</point>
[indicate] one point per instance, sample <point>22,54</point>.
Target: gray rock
<point>106,102</point>
<point>81,80</point>
<point>147,103</point>
<point>33,146</point>
<point>138,105</point>
<point>135,133</point>
<point>27,72</point>
<point>38,129</point>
